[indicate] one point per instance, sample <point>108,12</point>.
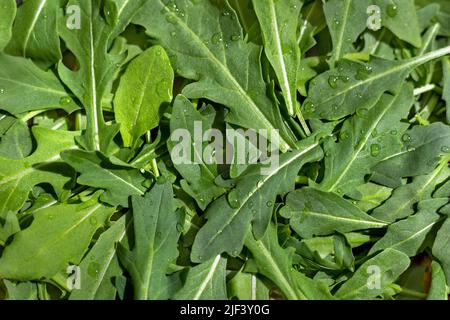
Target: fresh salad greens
<point>224,149</point>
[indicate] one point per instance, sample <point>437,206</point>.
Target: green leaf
<point>352,85</point>
<point>21,290</point>
<point>400,205</point>
<point>100,266</point>
<point>19,76</point>
<point>409,234</point>
<point>446,93</point>
<point>374,276</point>
<point>275,263</point>
<point>369,195</point>
<point>35,32</point>
<point>224,67</point>
<point>98,67</point>
<point>423,147</point>
<point>140,94</point>
<point>198,172</point>
<point>314,212</point>
<point>279,24</point>
<point>246,286</point>
<point>155,245</point>
<point>400,18</point>
<point>18,177</point>
<point>438,288</point>
<point>250,202</point>
<point>205,281</point>
<point>366,139</point>
<point>16,142</point>
<point>346,19</point>
<point>7,15</point>
<point>441,248</point>
<point>60,234</point>
<point>97,171</point>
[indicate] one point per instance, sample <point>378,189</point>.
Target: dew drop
<point>332,81</point>
<point>445,149</point>
<point>173,33</point>
<point>163,88</point>
<point>225,13</point>
<point>235,253</point>
<point>391,10</point>
<point>362,112</point>
<point>406,138</point>
<point>336,21</point>
<point>235,37</point>
<point>217,38</point>
<point>64,101</point>
<point>269,204</point>
<point>93,269</point>
<point>343,135</point>
<point>375,150</point>
<point>2,91</point>
<point>233,199</point>
<point>171,19</point>
<point>393,132</point>
<point>309,107</point>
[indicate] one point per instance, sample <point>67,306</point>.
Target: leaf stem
<point>413,294</point>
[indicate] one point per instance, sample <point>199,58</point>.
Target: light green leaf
<point>247,286</point>
<point>275,263</point>
<point>21,290</point>
<point>279,24</point>
<point>18,177</point>
<point>346,19</point>
<point>400,205</point>
<point>446,93</point>
<point>441,248</point>
<point>100,266</point>
<point>409,234</point>
<point>314,212</point>
<point>96,171</point>
<point>155,245</point>
<point>224,67</point>
<point>438,288</point>
<point>145,86</point>
<point>97,66</point>
<point>16,142</point>
<point>7,15</point>
<point>369,195</point>
<point>199,176</point>
<point>423,147</point>
<point>251,201</point>
<point>205,281</point>
<point>19,76</point>
<point>60,234</point>
<point>35,32</point>
<point>366,139</point>
<point>374,276</point>
<point>352,85</point>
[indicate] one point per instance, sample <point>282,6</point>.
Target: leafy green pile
<point>95,204</point>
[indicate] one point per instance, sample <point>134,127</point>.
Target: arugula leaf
<point>314,212</point>
<point>225,68</point>
<point>199,179</point>
<point>35,32</point>
<point>352,85</point>
<point>18,177</point>
<point>367,283</point>
<point>155,244</point>
<point>438,288</point>
<point>250,202</point>
<point>275,263</point>
<point>279,23</point>
<point>408,235</point>
<point>7,16</point>
<point>145,92</point>
<point>96,171</point>
<point>100,266</point>
<point>44,90</point>
<point>205,281</point>
<point>366,139</point>
<point>60,234</point>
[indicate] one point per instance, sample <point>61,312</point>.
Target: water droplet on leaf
<point>375,150</point>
